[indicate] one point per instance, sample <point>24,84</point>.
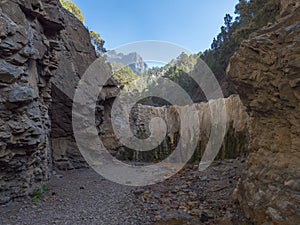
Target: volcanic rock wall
<point>235,141</point>
<point>74,54</point>
<point>266,74</point>
<point>40,44</point>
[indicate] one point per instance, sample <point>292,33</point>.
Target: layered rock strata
<point>44,50</point>
<point>266,74</point>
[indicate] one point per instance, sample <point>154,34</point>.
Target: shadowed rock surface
<point>266,73</point>
<point>44,50</point>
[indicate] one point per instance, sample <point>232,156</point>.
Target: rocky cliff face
<point>43,49</point>
<point>235,142</point>
<point>266,73</point>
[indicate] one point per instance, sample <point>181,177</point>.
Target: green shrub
<point>38,193</point>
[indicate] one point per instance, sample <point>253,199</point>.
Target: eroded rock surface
<point>28,62</point>
<point>235,142</point>
<point>266,73</point>
<point>40,44</point>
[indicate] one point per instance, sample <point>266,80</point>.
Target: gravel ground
<point>78,197</point>
<point>84,197</point>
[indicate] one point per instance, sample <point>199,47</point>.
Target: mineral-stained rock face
<point>266,73</point>
<point>40,43</point>
<point>234,144</point>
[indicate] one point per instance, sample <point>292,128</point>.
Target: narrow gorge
<point>44,52</point>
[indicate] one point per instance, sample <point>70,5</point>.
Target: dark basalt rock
<point>44,50</point>
<point>20,95</point>
<point>9,73</point>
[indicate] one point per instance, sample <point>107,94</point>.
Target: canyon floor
<point>84,197</point>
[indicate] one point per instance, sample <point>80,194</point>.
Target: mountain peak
<point>133,60</point>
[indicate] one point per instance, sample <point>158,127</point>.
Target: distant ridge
<point>133,60</point>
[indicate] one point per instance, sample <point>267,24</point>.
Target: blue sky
<point>191,24</point>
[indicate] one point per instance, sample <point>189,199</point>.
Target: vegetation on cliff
<point>251,15</point>
<point>96,39</point>
<point>123,74</point>
<point>178,71</point>
<point>73,8</point>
